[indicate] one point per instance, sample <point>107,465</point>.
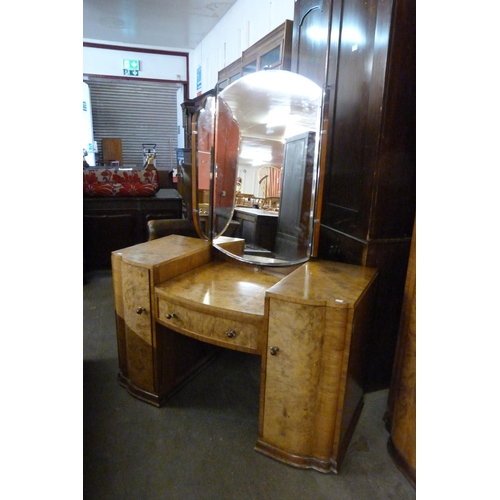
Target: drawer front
<point>226,332</point>
<point>176,316</point>
<point>237,333</point>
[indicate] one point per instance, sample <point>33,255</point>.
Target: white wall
<point>244,24</point>
<point>99,61</point>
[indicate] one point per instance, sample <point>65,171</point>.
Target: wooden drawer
<point>181,318</point>
<point>216,330</point>
<point>235,332</point>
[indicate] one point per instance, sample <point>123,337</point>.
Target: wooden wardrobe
<point>362,52</point>
<point>401,415</point>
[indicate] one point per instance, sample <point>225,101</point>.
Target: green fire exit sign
<point>130,67</point>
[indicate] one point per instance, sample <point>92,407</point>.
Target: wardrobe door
<point>370,175</point>
<point>310,39</point>
<point>367,182</point>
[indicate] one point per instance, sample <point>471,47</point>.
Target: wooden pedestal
<point>177,300</point>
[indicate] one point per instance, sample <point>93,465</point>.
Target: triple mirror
<point>255,160</point>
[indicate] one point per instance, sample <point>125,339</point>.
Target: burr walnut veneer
<point>178,300</point>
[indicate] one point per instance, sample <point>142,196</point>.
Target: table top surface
<point>222,286</point>
<point>257,211</point>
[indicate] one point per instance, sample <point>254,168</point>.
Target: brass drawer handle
<point>231,334</point>
<point>274,350</point>
<point>170,315</point>
<point>140,310</point>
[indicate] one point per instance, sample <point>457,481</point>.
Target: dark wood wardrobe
<point>362,52</point>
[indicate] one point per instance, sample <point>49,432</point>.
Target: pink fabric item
<point>120,182</point>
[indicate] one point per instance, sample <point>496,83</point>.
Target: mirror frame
<point>206,232</point>
<point>205,224</point>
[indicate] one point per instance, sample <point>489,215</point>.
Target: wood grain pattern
<point>119,319</point>
<point>367,181</point>
<point>214,299</point>
<point>317,314</point>
<point>308,383</point>
<point>136,270</point>
<point>289,417</point>
<point>221,289</point>
<point>325,283</point>
<point>230,333</point>
<point>138,325</point>
<point>161,250</point>
<point>136,301</point>
<point>402,442</point>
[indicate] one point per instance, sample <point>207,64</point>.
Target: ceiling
<point>177,24</point>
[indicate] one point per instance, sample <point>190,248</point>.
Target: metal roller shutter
<point>137,112</point>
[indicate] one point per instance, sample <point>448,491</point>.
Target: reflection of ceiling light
<point>256,154</point>
<point>248,288</point>
<point>352,36</point>
<point>316,33</point>
<point>278,116</point>
<point>207,298</point>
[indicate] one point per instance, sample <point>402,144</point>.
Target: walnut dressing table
<point>178,300</point>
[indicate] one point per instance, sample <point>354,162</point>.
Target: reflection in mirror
<point>227,143</point>
<point>295,222</point>
<point>203,130</point>
<point>215,160</point>
<point>265,165</point>
<point>269,178</point>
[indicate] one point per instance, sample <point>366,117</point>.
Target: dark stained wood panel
<point>370,173</point>
<point>310,39</point>
<point>367,173</point>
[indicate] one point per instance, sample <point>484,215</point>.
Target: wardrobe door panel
<point>353,139</point>
<point>310,39</point>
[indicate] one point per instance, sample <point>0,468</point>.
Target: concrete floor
<point>200,445</point>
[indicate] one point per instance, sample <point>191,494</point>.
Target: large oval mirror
<point>260,137</point>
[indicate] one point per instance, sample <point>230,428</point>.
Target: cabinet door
<point>293,376</point>
<point>310,39</point>
<point>305,384</point>
<point>273,51</point>
<point>369,187</point>
<point>138,325</point>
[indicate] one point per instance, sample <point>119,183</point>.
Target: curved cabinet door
<point>138,325</point>
<point>312,394</point>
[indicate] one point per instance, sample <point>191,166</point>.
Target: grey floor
<point>200,445</point>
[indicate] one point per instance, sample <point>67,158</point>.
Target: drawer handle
<point>274,350</point>
<point>140,310</point>
<point>170,315</point>
<point>231,334</point>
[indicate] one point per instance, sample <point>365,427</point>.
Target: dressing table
<point>178,300</point>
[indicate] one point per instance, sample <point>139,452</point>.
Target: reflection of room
<point>269,181</point>
<point>234,132</point>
